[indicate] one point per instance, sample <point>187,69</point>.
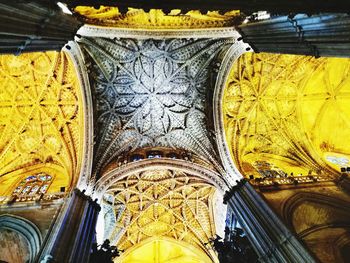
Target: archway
<point>164,251</point>
<point>161,198</point>
<point>322,222</point>
<point>20,239</point>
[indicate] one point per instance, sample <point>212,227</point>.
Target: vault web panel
<point>152,93</point>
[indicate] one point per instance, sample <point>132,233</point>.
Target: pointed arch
<point>26,229</point>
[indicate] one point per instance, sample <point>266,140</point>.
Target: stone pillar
<point>72,238</point>
<point>317,35</point>
<point>34,26</point>
<point>270,238</point>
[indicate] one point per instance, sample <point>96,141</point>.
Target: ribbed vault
<point>158,204</point>
<point>153,93</point>
<point>41,120</point>
<point>288,116</point>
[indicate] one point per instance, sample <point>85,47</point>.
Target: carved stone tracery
<point>41,119</point>
<point>156,18</point>
<point>152,93</point>
<point>278,110</point>
<point>159,203</point>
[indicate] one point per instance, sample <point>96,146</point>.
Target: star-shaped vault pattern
<point>152,93</point>
<point>41,119</point>
<point>161,203</point>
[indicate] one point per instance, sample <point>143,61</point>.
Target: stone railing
<point>273,181</point>
<point>30,198</point>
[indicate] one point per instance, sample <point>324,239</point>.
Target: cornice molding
<point>111,32</point>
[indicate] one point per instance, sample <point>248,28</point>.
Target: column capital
<point>82,194</point>
<point>239,184</point>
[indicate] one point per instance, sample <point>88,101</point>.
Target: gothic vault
<point>164,135</point>
<point>152,93</point>
<point>41,121</point>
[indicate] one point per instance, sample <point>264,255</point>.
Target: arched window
<point>33,185</point>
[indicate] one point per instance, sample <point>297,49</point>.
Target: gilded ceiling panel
<point>41,119</point>
<point>156,18</point>
<point>164,251</point>
<point>153,93</point>
<point>159,203</point>
<point>288,115</point>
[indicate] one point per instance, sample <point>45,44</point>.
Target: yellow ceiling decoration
<point>164,251</point>
<point>288,115</point>
<point>156,18</point>
<point>41,119</point>
<point>160,204</point>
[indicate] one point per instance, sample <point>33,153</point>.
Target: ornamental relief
<point>287,117</point>
<point>109,16</point>
<point>158,203</point>
<point>152,93</point>
<point>41,119</point>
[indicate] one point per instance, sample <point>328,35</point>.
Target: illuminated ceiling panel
<point>164,251</point>
<point>159,204</point>
<point>288,114</point>
<point>41,119</point>
<point>156,18</point>
<point>153,93</point>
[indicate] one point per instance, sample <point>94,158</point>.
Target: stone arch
<point>322,222</point>
<point>291,204</point>
<point>148,164</point>
<point>238,49</point>
<point>75,53</point>
<point>26,230</point>
<point>197,191</point>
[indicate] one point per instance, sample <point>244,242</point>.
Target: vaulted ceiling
<point>288,115</point>
<point>157,204</point>
<point>41,120</point>
<point>283,115</point>
<point>153,93</point>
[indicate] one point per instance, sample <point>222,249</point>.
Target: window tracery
<point>32,186</point>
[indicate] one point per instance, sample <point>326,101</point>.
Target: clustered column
<point>71,241</point>
<point>270,238</point>
<point>34,26</point>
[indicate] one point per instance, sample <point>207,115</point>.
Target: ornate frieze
<point>156,18</point>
